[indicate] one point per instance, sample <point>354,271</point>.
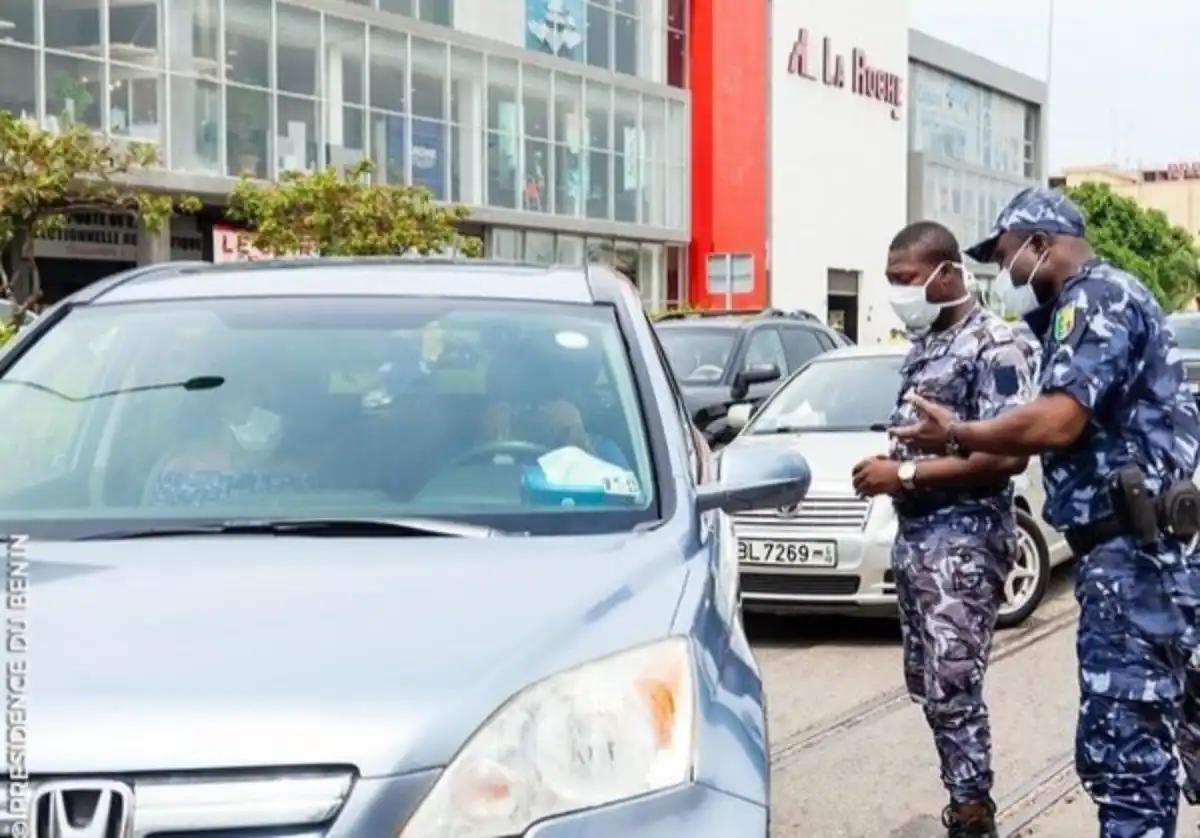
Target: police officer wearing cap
<point>1119,437</point>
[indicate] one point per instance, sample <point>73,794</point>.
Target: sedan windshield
<point>839,394</point>
<point>1187,331</point>
<point>699,355</point>
<point>520,417</point>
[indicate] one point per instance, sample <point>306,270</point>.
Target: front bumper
<point>861,584</point>
<point>694,811</point>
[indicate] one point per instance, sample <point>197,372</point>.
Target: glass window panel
<point>651,269</point>
<point>568,177</point>
<point>555,27</point>
<point>654,126</point>
<point>466,87</point>
<point>136,104</point>
<point>676,11</point>
<point>625,44</point>
<point>677,133</point>
<point>431,156</point>
<point>196,125</point>
<point>18,82</point>
<point>388,86</point>
<point>247,131</point>
<point>73,26</point>
<point>440,12</point>
<point>536,102</point>
<point>598,180</point>
<point>388,132</point>
<point>676,275</point>
<point>536,118</point>
<point>297,142</point>
<point>654,193</point>
<point>297,60</point>
<point>133,34</point>
<point>503,135</point>
<point>467,171</point>
<point>346,132</point>
<point>599,36</point>
<point>248,42</point>
<point>429,87</point>
<point>505,244</point>
<point>569,250</point>
<point>568,111</point>
<point>345,65</point>
<point>628,145</point>
<point>19,17</point>
<point>629,7</point>
<point>676,58</point>
<point>74,92</point>
<point>625,260</point>
<point>400,7</point>
<point>539,247</point>
<point>676,197</point>
<point>194,48</point>
<point>599,116</point>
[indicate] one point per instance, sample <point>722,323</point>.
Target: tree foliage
<point>45,176</point>
<point>333,212</point>
<point>1141,241</point>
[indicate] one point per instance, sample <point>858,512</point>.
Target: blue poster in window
<point>555,27</point>
<point>429,156</point>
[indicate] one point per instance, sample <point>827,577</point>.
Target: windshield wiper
<point>314,528</point>
<point>199,382</point>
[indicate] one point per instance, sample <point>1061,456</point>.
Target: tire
<point>1030,577</point>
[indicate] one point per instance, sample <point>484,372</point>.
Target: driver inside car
<point>542,398</point>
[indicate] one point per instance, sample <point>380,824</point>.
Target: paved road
<point>852,757</point>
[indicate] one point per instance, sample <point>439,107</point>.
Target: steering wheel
<point>707,371</point>
<point>522,452</point>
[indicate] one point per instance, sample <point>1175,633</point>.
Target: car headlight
<point>606,731</point>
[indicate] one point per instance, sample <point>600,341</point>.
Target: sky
<point>1125,74</point>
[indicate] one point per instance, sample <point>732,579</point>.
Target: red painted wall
<point>727,52</point>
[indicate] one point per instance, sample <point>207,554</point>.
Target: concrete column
<point>153,248</point>
<point>335,129</point>
<point>470,160</point>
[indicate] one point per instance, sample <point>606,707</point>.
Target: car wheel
<point>1030,577</point>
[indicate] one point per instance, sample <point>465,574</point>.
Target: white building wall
<point>837,187</point>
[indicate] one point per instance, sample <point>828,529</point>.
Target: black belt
<point>1086,538</point>
<point>920,504</point>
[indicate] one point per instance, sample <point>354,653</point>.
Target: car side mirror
<point>739,415</point>
<point>756,374</point>
<point>755,477</point>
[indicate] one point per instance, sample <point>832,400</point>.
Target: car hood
<point>831,455</point>
<point>384,654</point>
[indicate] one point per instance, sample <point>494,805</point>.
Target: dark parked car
<point>387,547</point>
<point>722,359</point>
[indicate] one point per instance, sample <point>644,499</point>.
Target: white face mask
<point>1020,299</point>
<point>260,432</point>
<point>912,305</point>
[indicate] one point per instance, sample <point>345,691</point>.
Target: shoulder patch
<point>1064,322</point>
<point>1007,382</point>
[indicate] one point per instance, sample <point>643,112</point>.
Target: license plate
<point>798,553</point>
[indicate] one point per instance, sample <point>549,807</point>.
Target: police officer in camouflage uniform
<point>957,536</point>
<point>1119,437</point>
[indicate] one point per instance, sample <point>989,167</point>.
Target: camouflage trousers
<point>1139,632</point>
<point>949,586</point>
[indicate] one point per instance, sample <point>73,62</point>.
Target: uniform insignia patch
<point>1064,322</point>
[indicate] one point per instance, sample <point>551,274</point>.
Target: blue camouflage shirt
<point>978,368</point>
<point>1106,343</point>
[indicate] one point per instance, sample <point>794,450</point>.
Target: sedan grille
<point>814,513</point>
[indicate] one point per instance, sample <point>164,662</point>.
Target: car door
<point>802,345</point>
<point>765,346</point>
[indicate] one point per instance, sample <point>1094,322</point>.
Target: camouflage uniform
<point>955,548</point>
<point>1106,343</point>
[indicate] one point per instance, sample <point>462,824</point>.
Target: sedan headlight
<point>606,731</point>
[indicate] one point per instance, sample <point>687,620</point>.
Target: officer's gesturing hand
<point>932,433</point>
<point>878,475</point>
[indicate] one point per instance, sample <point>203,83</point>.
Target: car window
<point>765,347</point>
<point>847,394</point>
<point>1187,331</point>
<point>687,427</point>
<point>697,355</point>
<point>802,346</point>
<point>523,417</point>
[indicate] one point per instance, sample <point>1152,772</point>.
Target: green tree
<point>45,176</point>
<point>336,213</point>
<point>1141,241</point>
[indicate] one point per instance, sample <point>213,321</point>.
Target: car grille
<point>799,584</point>
<point>814,513</point>
<point>1192,371</point>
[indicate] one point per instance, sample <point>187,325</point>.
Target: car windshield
<point>523,417</point>
<point>697,355</point>
<point>838,394</point>
<point>1187,331</point>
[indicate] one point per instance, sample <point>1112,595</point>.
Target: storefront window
<point>430,130</point>
<point>536,108</point>
<point>248,42</point>
<point>503,135</point>
<point>388,98</point>
<point>20,17</point>
<point>598,162</point>
<point>568,145</point>
<point>73,26</point>
<point>628,145</point>
<point>197,125</point>
<point>467,119</point>
<point>18,80</point>
<point>345,92</point>
<point>75,92</point>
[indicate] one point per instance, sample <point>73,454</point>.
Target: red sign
<point>865,80</point>
<point>1183,171</point>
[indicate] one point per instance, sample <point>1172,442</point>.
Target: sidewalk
<point>1075,817</point>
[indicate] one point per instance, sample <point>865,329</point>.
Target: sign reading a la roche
<point>866,80</point>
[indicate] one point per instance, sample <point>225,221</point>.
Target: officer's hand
<point>876,475</point>
<point>497,422</point>
<point>932,432</point>
<point>566,425</point>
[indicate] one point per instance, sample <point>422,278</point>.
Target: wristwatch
<point>907,472</point>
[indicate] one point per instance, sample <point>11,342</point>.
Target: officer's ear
<point>1040,243</point>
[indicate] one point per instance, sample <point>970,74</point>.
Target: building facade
<point>562,124</point>
<point>976,138</point>
<point>1174,189</point>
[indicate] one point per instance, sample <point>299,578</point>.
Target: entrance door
<point>842,302</point>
